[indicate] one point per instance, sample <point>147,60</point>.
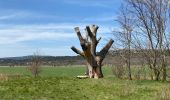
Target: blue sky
<point>48,25</point>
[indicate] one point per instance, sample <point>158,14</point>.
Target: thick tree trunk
<point>89,44</point>
<point>95,72</point>
<point>87,71</point>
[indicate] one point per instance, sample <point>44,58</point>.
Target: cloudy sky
<point>48,25</point>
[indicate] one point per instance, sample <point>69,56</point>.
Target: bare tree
<point>36,63</point>
<point>151,21</point>
<point>89,44</point>
<point>123,36</point>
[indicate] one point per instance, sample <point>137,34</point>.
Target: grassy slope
<point>61,84</point>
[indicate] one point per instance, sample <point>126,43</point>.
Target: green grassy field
<point>46,71</point>
<point>59,83</point>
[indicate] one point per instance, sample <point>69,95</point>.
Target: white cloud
<point>3,17</point>
<point>26,15</point>
<point>10,34</point>
<point>14,14</point>
<point>23,50</point>
<point>19,33</point>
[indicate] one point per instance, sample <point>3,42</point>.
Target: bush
<point>118,70</point>
<point>35,66</point>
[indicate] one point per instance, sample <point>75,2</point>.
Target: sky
<point>47,26</point>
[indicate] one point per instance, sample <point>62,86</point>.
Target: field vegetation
<point>60,83</point>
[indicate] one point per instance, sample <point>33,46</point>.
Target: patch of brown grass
<point>3,77</point>
<point>163,94</point>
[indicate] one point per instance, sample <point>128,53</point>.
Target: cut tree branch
<point>77,30</point>
<point>105,49</point>
<point>94,29</point>
<point>77,51</point>
<point>83,42</point>
<point>89,32</point>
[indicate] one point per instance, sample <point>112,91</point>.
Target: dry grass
<point>163,94</point>
<point>3,77</point>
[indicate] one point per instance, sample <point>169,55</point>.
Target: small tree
<point>124,37</point>
<point>35,66</point>
<point>89,44</point>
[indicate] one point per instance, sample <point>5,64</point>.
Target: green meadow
<point>60,83</point>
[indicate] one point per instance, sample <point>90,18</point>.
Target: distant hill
<point>111,58</point>
<point>46,60</point>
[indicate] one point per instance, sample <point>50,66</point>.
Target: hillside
<point>46,60</point>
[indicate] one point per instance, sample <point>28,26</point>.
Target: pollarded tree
<point>89,44</point>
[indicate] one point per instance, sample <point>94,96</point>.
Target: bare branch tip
<point>87,27</point>
<point>111,40</point>
<point>77,29</point>
<point>72,47</point>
